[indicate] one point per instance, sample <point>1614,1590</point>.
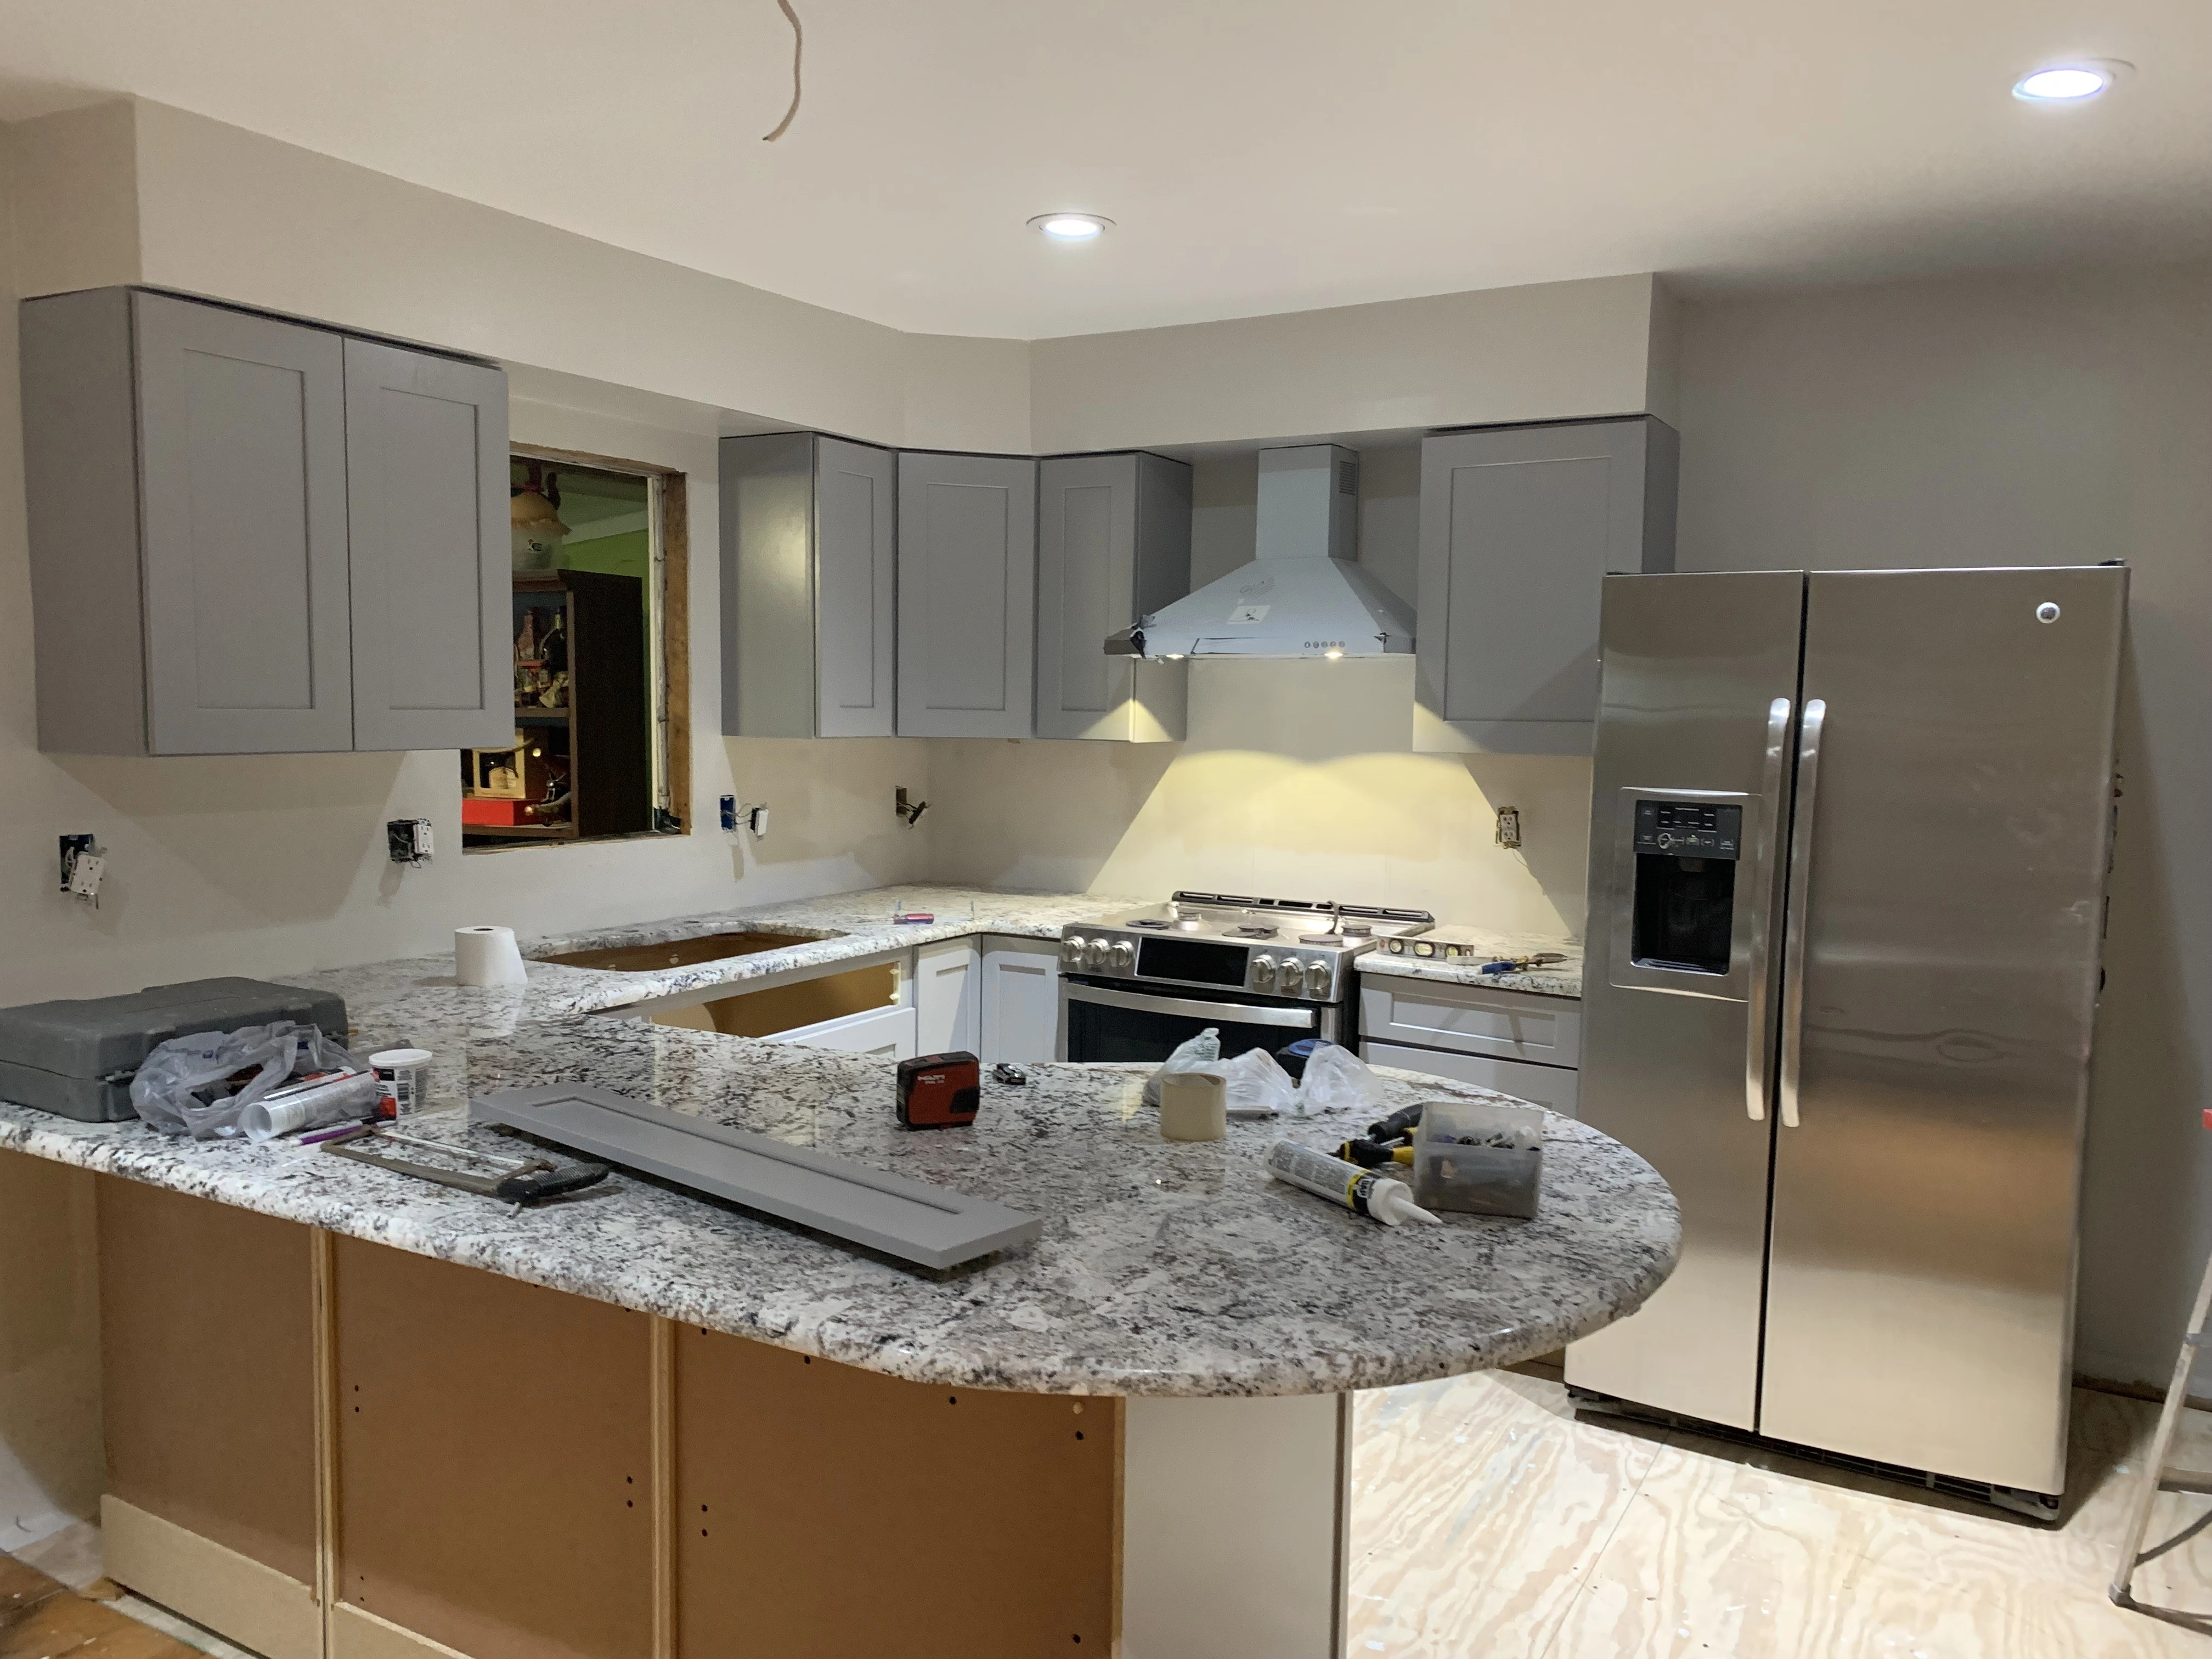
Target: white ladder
<point>2154,1476</point>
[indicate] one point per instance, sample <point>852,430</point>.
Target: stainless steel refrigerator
<point>1848,854</point>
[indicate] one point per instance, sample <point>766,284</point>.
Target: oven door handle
<point>1243,1013</point>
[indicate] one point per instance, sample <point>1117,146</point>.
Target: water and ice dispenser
<point>1686,853</point>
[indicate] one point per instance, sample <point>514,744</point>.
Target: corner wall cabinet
<point>809,580</point>
<point>1520,525</point>
<point>255,535</point>
<point>1113,544</point>
<point>967,596</point>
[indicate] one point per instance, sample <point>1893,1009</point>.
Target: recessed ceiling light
<point>2069,83</point>
<point>1070,226</point>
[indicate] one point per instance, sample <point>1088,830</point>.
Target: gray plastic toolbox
<point>77,1057</point>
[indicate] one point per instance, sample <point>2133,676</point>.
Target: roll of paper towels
<point>486,956</point>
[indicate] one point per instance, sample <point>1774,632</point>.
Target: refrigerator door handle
<point>1758,1022</point>
<point>1801,888</point>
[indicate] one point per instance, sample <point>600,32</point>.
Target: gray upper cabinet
<point>193,567</point>
<point>432,664</point>
<point>1113,544</point>
<point>1520,525</point>
<point>809,587</point>
<point>967,596</point>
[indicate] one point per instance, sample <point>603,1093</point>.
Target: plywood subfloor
<point>1486,1521</point>
<point>41,1619</point>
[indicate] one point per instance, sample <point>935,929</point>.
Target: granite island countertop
<point>1164,1268</point>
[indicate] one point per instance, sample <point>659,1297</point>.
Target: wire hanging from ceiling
<point>798,48</point>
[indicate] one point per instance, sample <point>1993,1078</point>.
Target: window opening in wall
<point>598,569</point>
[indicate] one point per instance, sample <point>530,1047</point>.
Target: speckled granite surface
<point>1558,979</point>
<point>1167,1269</point>
<point>1164,1268</point>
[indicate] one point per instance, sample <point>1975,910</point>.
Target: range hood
<point>1303,596</point>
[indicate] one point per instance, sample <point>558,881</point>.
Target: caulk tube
<point>1386,1200</point>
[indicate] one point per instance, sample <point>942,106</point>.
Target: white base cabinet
<point>1020,999</point>
<point>1554,1086</point>
<point>1515,1042</point>
<point>947,990</point>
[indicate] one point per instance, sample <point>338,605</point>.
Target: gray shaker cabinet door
<point>967,596</point>
<point>856,587</point>
<point>1113,544</point>
<point>241,431</point>
<point>426,452</point>
<point>1520,526</point>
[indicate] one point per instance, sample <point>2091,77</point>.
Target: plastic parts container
<point>1478,1158</point>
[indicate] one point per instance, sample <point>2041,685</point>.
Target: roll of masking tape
<point>1193,1106</point>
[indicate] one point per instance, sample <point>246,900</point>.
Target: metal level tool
<point>516,1180</point>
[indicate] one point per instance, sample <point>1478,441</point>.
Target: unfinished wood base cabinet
<point>323,1448</point>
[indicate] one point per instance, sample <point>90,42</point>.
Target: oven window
<point>1097,1032</point>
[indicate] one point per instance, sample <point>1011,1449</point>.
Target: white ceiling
<point>1259,156</point>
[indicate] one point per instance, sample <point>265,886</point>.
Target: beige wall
<point>1543,352</point>
<point>1295,777</point>
<point>275,864</point>
<point>139,192</point>
<point>2042,420</point>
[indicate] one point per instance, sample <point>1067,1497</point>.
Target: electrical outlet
<point>1508,827</point>
<point>730,814</point>
<point>408,839</point>
<point>72,847</point>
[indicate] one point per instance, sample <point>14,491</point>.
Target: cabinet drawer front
<point>1555,1086</point>
<point>887,1032</point>
<point>1508,1024</point>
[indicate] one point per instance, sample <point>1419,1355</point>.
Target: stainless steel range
<point>1264,972</point>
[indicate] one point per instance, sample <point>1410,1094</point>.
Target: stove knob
<point>1316,979</point>
<point>1125,957</point>
<point>1071,951</point>
<point>1094,954</point>
<point>1263,973</point>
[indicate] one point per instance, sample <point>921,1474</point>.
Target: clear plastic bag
<point>1258,1086</point>
<point>1200,1053</point>
<point>183,1088</point>
<point>1335,1079</point>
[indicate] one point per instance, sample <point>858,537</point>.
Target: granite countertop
<point>1162,1269</point>
<point>1557,979</point>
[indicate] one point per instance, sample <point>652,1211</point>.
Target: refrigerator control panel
<point>1686,829</point>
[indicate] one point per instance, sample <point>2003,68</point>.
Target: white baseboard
<point>355,1634</point>
<point>234,1595</point>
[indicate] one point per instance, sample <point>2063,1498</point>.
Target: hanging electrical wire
<point>797,47</point>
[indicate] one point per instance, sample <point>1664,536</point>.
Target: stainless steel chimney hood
<point>1302,596</point>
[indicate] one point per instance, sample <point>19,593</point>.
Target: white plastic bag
<point>1200,1053</point>
<point>1258,1085</point>
<point>1336,1077</point>
<point>183,1088</point>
